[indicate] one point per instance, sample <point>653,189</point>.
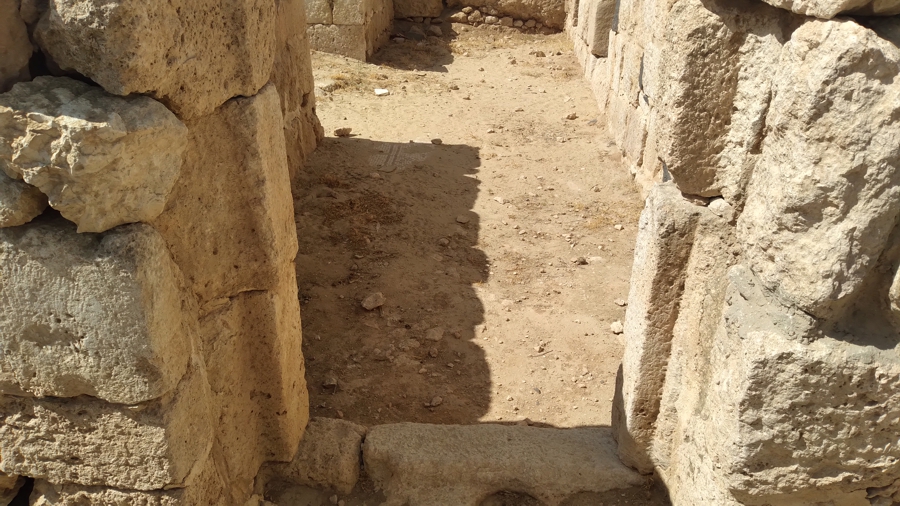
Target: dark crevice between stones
<point>23,497</point>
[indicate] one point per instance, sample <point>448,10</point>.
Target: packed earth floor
<point>483,198</point>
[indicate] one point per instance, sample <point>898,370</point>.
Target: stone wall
<point>761,365</point>
<point>353,28</point>
<point>149,318</point>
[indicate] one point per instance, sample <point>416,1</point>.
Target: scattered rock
<point>462,218</point>
<point>437,142</point>
<point>415,32</point>
<point>620,302</point>
<point>618,227</point>
<point>579,261</point>
<point>530,24</point>
<point>538,54</point>
<point>373,301</point>
<point>435,334</point>
<point>491,20</point>
<point>443,241</point>
<point>468,10</point>
<point>454,87</point>
<point>572,116</point>
<point>381,92</point>
<point>437,401</point>
<point>460,17</point>
<point>616,327</point>
<point>506,21</point>
<point>518,23</point>
<point>342,132</point>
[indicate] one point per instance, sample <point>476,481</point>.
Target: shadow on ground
<point>414,47</point>
<point>393,218</point>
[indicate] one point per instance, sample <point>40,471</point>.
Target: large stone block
<point>827,9</point>
<point>349,41</point>
<point>775,418</point>
<point>319,12</point>
<point>663,246</point>
<point>86,441</point>
<point>293,78</point>
<point>15,47</point>
<point>101,315</point>
<point>253,344</point>
<point>19,202</point>
<point>595,19</point>
<point>102,160</point>
<point>420,464</point>
<point>329,456</point>
<point>825,192</point>
<point>418,8</point>
<point>193,55</point>
<point>230,220</point>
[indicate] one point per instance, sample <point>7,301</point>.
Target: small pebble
<point>374,300</point>
<point>616,327</point>
<point>342,132</point>
<point>437,142</point>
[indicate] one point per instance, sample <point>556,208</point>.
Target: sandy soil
<point>496,250</point>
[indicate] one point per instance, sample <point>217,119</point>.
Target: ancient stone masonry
<point>149,320</point>
<point>761,365</point>
<point>353,28</point>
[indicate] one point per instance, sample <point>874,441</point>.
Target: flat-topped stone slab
<point>423,465</point>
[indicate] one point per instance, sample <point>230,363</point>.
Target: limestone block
<point>781,420</point>
<point>83,314</point>
<point>230,220</point>
<point>15,47</point>
<point>827,9</point>
<point>552,13</point>
<point>349,41</point>
<point>86,441</point>
<point>203,488</point>
<point>418,8</point>
<point>351,12</point>
<point>825,193</point>
<point>663,246</point>
<point>328,457</point>
<point>19,202</point>
<point>595,18</point>
<point>293,78</point>
<point>420,464</point>
<point>258,379</point>
<point>192,55</point>
<point>102,160</point>
<point>318,12</point>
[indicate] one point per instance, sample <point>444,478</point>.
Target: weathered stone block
<point>349,41</point>
<point>19,202</point>
<point>319,12</point>
<point>351,12</point>
<point>825,193</point>
<point>15,47</point>
<point>329,456</point>
<point>86,441</point>
<point>83,314</point>
<point>421,464</point>
<point>551,13</point>
<point>293,78</point>
<point>595,19</point>
<point>192,55</point>
<point>102,160</point>
<point>230,220</point>
<point>664,241</point>
<point>253,340</point>
<point>418,8</point>
<point>828,9</point>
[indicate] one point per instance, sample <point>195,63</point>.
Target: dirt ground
<point>503,249</point>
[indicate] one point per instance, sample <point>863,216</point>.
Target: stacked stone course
<point>149,321</point>
<point>761,365</point>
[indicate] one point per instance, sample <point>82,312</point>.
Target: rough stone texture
<point>824,195</point>
<point>293,78</point>
<point>319,12</point>
<point>593,21</point>
<point>19,202</point>
<point>418,8</point>
<point>192,55</point>
<point>15,47</point>
<point>90,442</point>
<point>827,9</point>
<point>360,27</point>
<point>418,464</point>
<point>349,41</point>
<point>203,488</point>
<point>253,344</point>
<point>664,242</point>
<point>102,160</point>
<point>230,220</point>
<point>328,457</point>
<point>551,13</point>
<point>83,314</point>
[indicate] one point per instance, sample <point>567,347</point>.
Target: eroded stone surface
<point>828,9</point>
<point>102,160</point>
<point>19,202</point>
<point>328,457</point>
<point>86,441</point>
<point>419,464</point>
<point>15,47</point>
<point>193,55</point>
<point>230,220</point>
<point>83,314</point>
<point>551,13</point>
<point>825,193</point>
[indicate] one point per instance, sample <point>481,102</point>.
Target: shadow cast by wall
<point>413,46</point>
<point>395,219</point>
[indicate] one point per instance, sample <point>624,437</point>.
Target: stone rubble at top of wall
<point>761,365</point>
<point>150,321</point>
